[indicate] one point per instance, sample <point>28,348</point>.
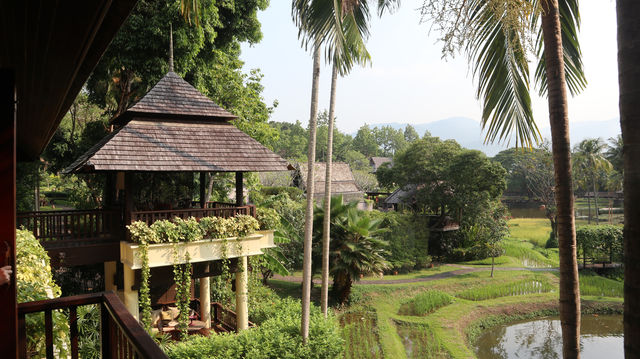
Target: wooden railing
<point>225,317</point>
<point>121,334</point>
<point>72,225</point>
<point>226,212</point>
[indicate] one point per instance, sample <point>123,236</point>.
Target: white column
<point>242,310</point>
<point>130,295</point>
<point>205,301</point>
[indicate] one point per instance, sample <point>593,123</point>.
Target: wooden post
<point>239,189</point>
<point>8,305</point>
<point>203,179</point>
<point>242,309</point>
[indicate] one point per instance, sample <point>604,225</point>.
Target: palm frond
<point>502,72</point>
<point>573,66</point>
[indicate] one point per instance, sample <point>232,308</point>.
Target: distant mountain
<point>468,133</point>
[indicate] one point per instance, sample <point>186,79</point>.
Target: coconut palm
<point>628,13</point>
<point>344,29</point>
<point>590,157</point>
<point>614,152</point>
<point>494,33</point>
<point>342,25</point>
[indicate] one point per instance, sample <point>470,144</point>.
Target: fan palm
<point>495,35</point>
<point>355,251</point>
<point>590,157</point>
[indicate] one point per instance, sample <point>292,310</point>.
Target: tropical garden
<point>343,282</point>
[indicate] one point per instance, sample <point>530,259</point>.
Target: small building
<point>376,162</point>
<point>342,182</point>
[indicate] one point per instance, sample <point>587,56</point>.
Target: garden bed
<point>205,250</point>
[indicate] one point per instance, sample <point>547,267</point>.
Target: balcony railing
<point>226,212</point>
<point>61,226</point>
<point>121,334</point>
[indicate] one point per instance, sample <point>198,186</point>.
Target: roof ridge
<point>173,95</point>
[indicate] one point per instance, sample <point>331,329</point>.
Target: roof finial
<point>170,47</point>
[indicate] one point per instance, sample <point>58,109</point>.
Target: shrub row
<point>277,337</point>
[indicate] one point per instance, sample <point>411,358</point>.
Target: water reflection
<point>542,338</point>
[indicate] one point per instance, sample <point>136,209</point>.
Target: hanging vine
<point>188,230</point>
<point>182,278</point>
<point>143,235</point>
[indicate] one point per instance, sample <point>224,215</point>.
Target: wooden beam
<point>239,189</point>
<point>203,179</point>
<point>8,305</point>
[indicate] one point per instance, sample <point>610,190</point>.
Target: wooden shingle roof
<point>175,128</point>
<point>173,96</point>
<point>342,180</point>
<point>147,145</point>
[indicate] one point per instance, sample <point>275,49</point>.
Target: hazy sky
<point>408,80</point>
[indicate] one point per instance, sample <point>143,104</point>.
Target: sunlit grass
<point>425,303</point>
<point>539,284</point>
<point>593,284</point>
<point>534,230</point>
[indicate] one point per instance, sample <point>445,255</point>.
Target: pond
<point>602,337</point>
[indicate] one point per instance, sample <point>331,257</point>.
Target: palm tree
<point>345,33</point>
<point>590,156</point>
<point>495,36</point>
<point>343,26</point>
<point>355,248</point>
<point>614,152</point>
<point>628,13</point>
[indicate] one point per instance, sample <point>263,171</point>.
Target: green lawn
<point>439,318</point>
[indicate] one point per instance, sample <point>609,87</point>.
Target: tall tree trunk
<point>308,218</point>
<point>589,213</point>
<point>628,13</point>
<point>559,121</point>
<point>209,192</point>
<point>595,199</point>
<point>326,224</point>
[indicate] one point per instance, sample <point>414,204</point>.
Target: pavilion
<point>174,129</point>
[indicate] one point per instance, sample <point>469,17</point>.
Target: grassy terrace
<point>441,317</point>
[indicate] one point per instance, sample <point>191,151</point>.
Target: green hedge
<point>277,337</point>
<point>601,242</point>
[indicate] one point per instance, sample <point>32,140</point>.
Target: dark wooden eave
<point>53,46</point>
<point>179,146</point>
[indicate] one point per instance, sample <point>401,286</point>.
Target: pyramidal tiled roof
<point>172,95</point>
<point>176,128</point>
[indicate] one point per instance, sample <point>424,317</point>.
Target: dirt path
<point>463,270</point>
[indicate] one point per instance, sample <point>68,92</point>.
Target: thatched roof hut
<point>376,162</point>
<point>342,181</point>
